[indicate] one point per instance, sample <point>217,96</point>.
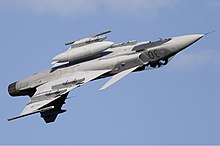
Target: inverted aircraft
<point>92,58</point>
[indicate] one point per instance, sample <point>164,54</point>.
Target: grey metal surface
<point>50,88</point>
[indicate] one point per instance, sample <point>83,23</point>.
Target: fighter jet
<point>92,58</point>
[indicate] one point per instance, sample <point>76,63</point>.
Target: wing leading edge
<point>117,77</point>
<point>50,97</point>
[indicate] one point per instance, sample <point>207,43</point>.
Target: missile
<point>89,39</point>
<point>101,33</point>
<point>37,111</point>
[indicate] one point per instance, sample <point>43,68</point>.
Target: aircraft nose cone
<point>184,41</point>
<point>190,39</point>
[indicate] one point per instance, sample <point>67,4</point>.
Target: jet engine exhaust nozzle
<point>12,89</point>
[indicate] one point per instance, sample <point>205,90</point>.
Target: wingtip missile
<point>90,38</point>
<point>69,43</point>
<point>101,33</point>
<point>37,111</point>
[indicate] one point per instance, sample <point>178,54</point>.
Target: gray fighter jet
<point>88,59</point>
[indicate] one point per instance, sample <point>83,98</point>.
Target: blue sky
<point>177,104</point>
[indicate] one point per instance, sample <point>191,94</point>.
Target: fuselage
<point>116,58</point>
